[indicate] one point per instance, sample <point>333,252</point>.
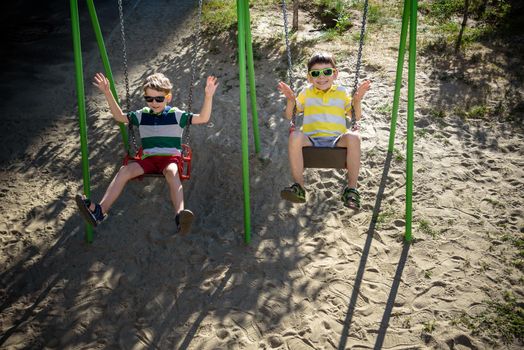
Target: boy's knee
<point>352,138</point>
<point>130,171</point>
<point>171,171</point>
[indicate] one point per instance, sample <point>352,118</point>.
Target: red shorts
<point>157,164</point>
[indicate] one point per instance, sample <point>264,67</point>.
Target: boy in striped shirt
<point>325,107</point>
<point>160,127</point>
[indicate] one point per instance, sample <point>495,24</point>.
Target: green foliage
<point>438,113</point>
<point>385,109</point>
<point>478,112</point>
<point>399,157</point>
<point>374,14</point>
<point>487,17</point>
<point>501,319</point>
<point>493,12</point>
<point>385,216</point>
<point>444,9</point>
<point>429,326</point>
<point>219,16</point>
<point>424,226</point>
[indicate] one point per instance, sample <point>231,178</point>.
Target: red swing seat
<point>185,168</point>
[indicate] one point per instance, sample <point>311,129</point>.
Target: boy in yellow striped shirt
<point>325,107</point>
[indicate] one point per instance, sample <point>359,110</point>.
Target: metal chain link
<point>354,125</point>
<point>360,45</point>
<point>288,47</point>
<point>131,131</point>
<point>124,51</point>
<point>187,134</point>
<point>289,61</point>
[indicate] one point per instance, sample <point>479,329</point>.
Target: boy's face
<point>322,76</point>
<point>156,100</point>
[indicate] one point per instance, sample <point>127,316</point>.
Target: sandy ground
<point>315,276</point>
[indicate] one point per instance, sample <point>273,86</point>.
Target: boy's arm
<point>205,112</point>
<point>357,98</point>
<point>101,82</point>
<point>290,96</point>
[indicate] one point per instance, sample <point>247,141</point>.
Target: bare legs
<point>297,140</point>
<point>351,141</point>
<point>133,170</point>
<point>176,191</point>
<point>126,173</point>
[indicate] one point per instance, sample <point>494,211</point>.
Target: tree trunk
<point>463,26</point>
<point>295,16</point>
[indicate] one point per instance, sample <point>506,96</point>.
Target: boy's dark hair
<point>158,82</point>
<point>321,57</point>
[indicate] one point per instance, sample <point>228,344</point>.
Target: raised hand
<point>101,82</point>
<point>286,90</point>
<point>362,89</point>
<point>211,85</point>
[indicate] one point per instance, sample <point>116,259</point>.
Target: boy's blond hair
<point>158,82</point>
<point>321,57</point>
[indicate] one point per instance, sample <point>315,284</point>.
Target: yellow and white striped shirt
<point>324,111</point>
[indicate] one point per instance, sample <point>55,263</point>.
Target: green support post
<point>409,18</point>
<point>105,61</point>
<point>398,80</point>
<point>251,74</point>
<point>411,116</point>
<point>243,117</point>
<point>79,79</point>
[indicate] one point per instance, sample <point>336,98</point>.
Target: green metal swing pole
<point>243,117</point>
<point>398,80</point>
<point>411,116</point>
<point>105,62</point>
<point>251,75</point>
<point>80,94</point>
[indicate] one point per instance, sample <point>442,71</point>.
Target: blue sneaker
<point>94,217</point>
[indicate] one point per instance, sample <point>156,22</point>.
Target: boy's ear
<point>335,74</point>
<point>169,97</point>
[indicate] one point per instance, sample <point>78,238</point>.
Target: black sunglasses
<point>158,99</point>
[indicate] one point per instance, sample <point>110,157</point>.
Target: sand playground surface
<point>315,276</point>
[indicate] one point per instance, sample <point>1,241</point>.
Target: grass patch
<point>385,109</point>
<point>502,319</point>
<point>385,216</point>
<point>219,16</point>
<point>398,156</point>
<point>429,326</point>
<point>474,112</point>
<point>517,242</point>
<point>425,227</point>
<point>421,132</point>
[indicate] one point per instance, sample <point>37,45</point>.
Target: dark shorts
<point>328,141</point>
<point>157,164</point>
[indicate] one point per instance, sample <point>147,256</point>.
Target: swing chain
<point>124,51</point>
<point>126,77</point>
<point>289,61</point>
<point>187,134</point>
<point>354,124</point>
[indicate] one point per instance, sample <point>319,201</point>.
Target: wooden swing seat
<point>324,157</point>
